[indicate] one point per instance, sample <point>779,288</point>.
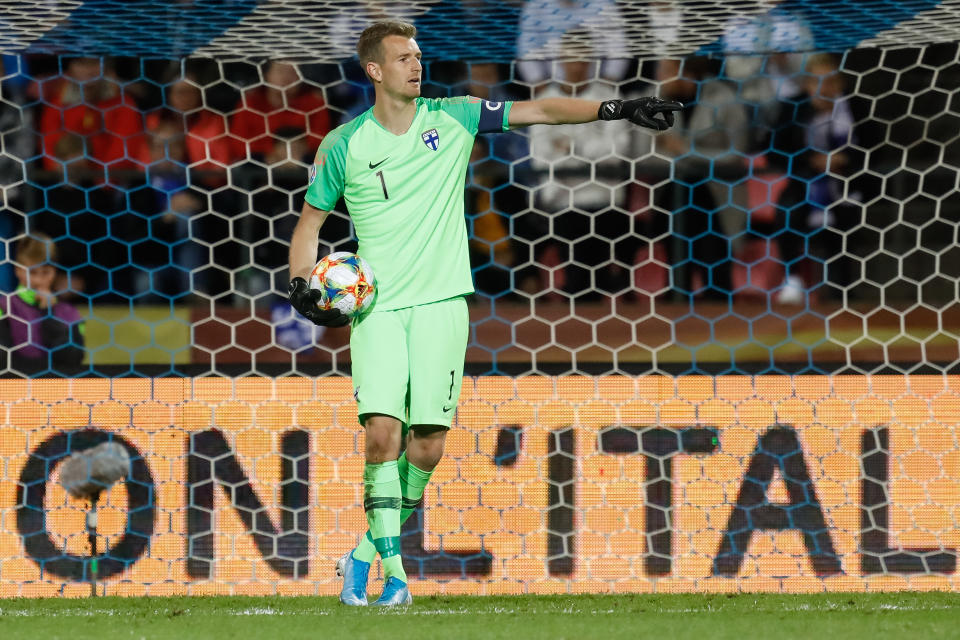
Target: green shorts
<point>408,363</point>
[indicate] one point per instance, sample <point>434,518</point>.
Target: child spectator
<point>38,333</point>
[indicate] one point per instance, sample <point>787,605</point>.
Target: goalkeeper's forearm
<point>553,111</point>
<point>305,240</point>
<point>648,111</point>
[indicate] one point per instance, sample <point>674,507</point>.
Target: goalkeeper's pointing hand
<point>641,111</point>
<point>304,299</point>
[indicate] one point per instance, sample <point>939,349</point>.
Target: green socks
<point>381,501</point>
<point>365,551</point>
<point>412,482</point>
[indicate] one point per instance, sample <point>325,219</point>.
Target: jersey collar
<point>419,102</point>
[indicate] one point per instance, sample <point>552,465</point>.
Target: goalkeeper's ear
<point>374,72</point>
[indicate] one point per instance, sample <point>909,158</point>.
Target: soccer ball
<point>346,282</point>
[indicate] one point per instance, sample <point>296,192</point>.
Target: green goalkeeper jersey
<point>405,195</point>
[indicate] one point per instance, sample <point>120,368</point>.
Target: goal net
<point>722,357</point>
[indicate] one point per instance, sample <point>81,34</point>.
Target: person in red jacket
<point>194,135</point>
<point>280,120</point>
<point>123,142</point>
<point>87,103</point>
<point>69,111</point>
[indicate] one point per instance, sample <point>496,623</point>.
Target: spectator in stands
<point>169,204</point>
<point>811,140</point>
<point>91,107</point>
<point>69,108</point>
<point>122,145</point>
<point>280,123</point>
<point>766,80</point>
<point>584,169</point>
<point>187,151</point>
<point>69,151</point>
<point>548,27</point>
<point>93,141</point>
<point>190,153</point>
<point>197,134</point>
<point>707,144</point>
<point>281,120</point>
<point>39,334</point>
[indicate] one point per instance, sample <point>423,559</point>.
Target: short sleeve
<point>478,115</point>
<point>327,173</point>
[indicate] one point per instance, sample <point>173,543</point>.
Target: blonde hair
<point>370,44</point>
<point>36,249</point>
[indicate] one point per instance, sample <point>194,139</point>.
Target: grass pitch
<point>579,617</point>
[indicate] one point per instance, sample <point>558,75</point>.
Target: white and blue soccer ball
<point>346,282</point>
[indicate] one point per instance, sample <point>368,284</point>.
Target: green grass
<point>607,617</point>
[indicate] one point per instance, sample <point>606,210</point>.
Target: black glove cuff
<point>295,284</point>
<point>610,110</point>
<point>297,293</point>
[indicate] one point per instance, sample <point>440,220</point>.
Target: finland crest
<point>431,138</point>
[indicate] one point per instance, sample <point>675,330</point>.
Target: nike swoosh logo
<point>446,409</point>
<point>374,166</point>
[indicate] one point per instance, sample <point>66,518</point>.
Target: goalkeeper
<point>400,168</point>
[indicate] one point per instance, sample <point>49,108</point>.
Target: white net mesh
<point>727,243</point>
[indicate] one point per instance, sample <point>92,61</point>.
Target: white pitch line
<point>272,611</point>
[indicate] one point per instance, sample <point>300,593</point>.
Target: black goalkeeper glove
<point>304,299</point>
<point>641,111</point>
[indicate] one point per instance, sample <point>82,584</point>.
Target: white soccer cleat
<point>354,573</point>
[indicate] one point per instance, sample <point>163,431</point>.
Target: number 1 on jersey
<point>383,184</point>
